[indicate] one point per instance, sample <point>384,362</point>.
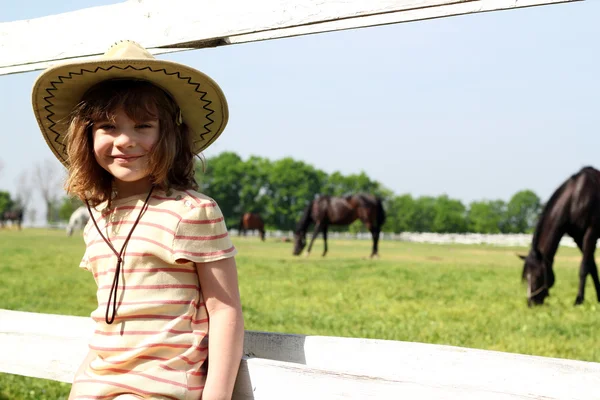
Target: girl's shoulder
<point>185,202</point>
<point>193,209</point>
<point>186,198</point>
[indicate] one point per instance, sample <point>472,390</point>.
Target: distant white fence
<point>502,239</point>
<point>505,239</point>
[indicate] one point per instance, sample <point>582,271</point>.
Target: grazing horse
<point>573,209</point>
<point>78,219</point>
<point>14,216</point>
<point>251,221</point>
<point>327,210</point>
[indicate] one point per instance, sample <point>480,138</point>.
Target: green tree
<point>222,180</point>
<point>402,213</point>
<point>522,211</point>
<point>67,206</point>
<point>424,214</point>
<point>291,185</point>
<point>450,216</point>
<point>255,185</point>
<point>6,203</point>
<point>487,217</point>
<point>337,184</point>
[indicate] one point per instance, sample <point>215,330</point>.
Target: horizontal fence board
<point>261,379</point>
<point>291,366</point>
<point>179,25</point>
<point>467,372</point>
<point>43,345</point>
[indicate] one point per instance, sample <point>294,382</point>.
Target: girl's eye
<point>144,126</point>
<point>106,127</point>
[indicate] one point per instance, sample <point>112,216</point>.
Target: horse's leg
<point>375,234</point>
<point>588,265</point>
<point>325,239</point>
<point>592,268</point>
<point>315,233</point>
<point>594,273</point>
<point>262,234</point>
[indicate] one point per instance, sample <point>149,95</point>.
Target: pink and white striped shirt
<point>157,345</point>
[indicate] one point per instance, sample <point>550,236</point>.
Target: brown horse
<point>573,209</point>
<point>251,221</point>
<point>14,216</point>
<point>327,210</point>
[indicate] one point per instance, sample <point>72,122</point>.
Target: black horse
<point>14,216</point>
<point>327,210</point>
<point>573,209</point>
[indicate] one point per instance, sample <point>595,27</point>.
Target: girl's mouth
<point>125,159</point>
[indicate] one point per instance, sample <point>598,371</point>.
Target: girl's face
<point>122,147</point>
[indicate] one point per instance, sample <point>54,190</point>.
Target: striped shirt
<point>157,345</point>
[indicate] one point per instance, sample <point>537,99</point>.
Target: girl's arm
<point>219,284</point>
<point>91,355</point>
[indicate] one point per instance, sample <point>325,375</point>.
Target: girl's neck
<point>129,189</point>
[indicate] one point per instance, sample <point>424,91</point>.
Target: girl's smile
<point>123,159</point>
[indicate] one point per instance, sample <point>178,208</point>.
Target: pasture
<point>461,295</point>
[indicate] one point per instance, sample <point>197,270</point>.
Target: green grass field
<point>468,296</point>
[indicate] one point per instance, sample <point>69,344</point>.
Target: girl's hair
<point>171,160</point>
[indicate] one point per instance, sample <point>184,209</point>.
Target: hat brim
<point>60,88</point>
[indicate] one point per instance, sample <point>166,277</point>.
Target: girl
<point>127,127</point>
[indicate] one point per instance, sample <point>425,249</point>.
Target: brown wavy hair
<point>171,160</point>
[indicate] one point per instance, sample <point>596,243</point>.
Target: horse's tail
<point>380,212</point>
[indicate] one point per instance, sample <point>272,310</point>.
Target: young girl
<point>127,127</point>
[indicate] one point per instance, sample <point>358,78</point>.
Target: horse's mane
<point>548,207</point>
<point>305,219</point>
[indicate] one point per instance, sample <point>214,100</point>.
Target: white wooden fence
<point>178,25</point>
<point>280,366</point>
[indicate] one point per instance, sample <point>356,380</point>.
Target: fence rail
<point>284,366</point>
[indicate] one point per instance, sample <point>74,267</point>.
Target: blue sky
<point>477,107</point>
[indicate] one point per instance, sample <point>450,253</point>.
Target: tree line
<point>279,190</point>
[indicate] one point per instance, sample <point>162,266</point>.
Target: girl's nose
<point>124,139</point>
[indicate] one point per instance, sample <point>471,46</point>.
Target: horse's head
<point>538,274</point>
<point>299,242</point>
<point>69,230</point>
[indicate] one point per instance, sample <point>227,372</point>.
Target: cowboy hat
<point>60,88</point>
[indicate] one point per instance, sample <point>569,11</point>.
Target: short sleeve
<point>84,263</point>
<point>202,236</point>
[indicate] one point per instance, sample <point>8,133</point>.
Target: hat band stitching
<point>50,113</point>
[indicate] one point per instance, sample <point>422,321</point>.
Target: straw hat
<point>59,88</point>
